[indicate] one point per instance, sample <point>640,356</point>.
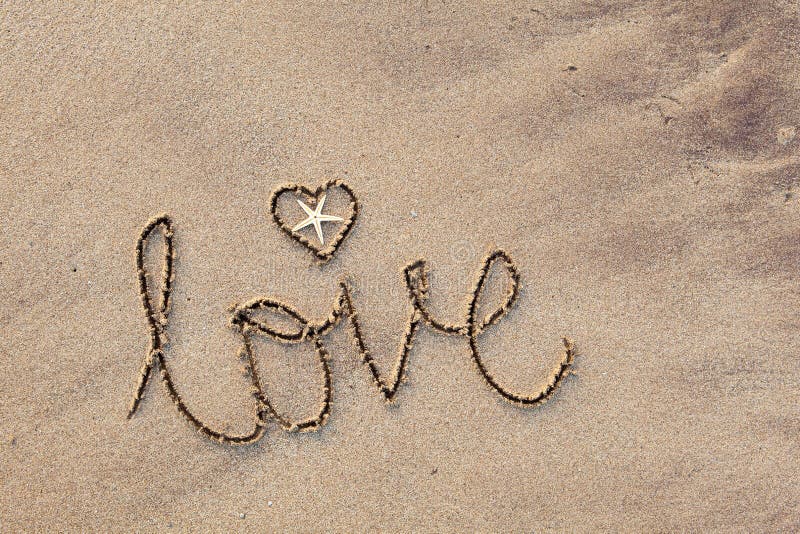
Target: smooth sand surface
<point>638,160</point>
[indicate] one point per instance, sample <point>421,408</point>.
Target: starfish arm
<point>308,210</point>
<point>318,208</point>
<point>318,228</point>
<point>302,224</point>
<point>326,218</point>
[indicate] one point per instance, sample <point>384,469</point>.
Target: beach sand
<point>639,161</point>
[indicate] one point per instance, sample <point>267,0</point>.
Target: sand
<point>639,161</point>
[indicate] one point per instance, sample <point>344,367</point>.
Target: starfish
<point>315,217</point>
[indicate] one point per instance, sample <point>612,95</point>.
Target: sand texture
<point>638,162</point>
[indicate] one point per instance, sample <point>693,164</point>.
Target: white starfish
<point>315,217</point>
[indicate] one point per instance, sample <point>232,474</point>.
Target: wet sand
<point>639,161</point>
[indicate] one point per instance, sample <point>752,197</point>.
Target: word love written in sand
<point>249,321</point>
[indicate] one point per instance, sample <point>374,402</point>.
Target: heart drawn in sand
<point>312,203</point>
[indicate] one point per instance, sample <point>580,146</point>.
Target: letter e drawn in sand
<point>249,323</point>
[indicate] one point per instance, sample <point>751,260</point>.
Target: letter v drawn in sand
<point>249,321</point>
